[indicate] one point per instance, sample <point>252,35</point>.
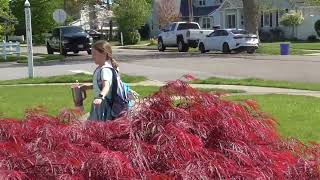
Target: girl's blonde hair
<point>104,47</point>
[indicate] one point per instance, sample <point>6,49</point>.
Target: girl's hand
<point>97,102</point>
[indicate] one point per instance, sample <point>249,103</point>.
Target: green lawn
<point>12,58</point>
<point>14,100</point>
<point>260,82</point>
<point>296,48</point>
<point>298,116</point>
<point>81,77</point>
<point>43,58</point>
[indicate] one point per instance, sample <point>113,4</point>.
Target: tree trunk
<point>251,15</point>
<point>92,16</point>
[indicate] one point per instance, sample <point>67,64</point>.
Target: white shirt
<point>105,75</point>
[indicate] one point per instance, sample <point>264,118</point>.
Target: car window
<point>212,34</point>
<point>218,33</point>
<point>184,26</point>
<point>71,30</point>
<point>239,32</point>
<point>173,26</point>
<point>224,33</point>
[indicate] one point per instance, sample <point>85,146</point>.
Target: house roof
<point>197,11</point>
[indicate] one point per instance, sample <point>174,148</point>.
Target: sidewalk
<point>250,90</point>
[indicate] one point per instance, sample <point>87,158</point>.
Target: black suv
<point>74,39</point>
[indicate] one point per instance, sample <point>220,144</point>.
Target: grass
<point>81,77</point>
<point>43,58</point>
<point>117,43</point>
<point>296,48</point>
<point>14,100</point>
<point>11,58</point>
<point>298,116</point>
<point>261,83</point>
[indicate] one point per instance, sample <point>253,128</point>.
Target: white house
<point>101,22</point>
<point>203,13</point>
<point>230,14</point>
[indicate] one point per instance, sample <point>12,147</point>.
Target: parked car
<point>96,35</point>
<point>182,35</point>
<point>73,39</point>
<point>227,40</point>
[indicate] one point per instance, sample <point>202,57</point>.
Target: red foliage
<point>177,133</point>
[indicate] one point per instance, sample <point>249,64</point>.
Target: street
<point>172,65</point>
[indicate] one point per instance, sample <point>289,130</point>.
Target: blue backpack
<point>119,101</point>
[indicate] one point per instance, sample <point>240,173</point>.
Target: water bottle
<point>78,94</point>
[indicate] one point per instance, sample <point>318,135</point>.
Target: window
<point>277,18</point>
<point>184,26</point>
<point>239,32</point>
<point>219,33</point>
<point>271,20</point>
<point>173,26</point>
<point>231,21</point>
<point>206,23</point>
<point>266,20</point>
<point>71,30</point>
<point>202,2</point>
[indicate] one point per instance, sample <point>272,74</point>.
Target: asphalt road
<point>172,65</point>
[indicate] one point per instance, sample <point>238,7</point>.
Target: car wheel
<point>89,51</point>
<point>202,48</point>
<point>251,50</point>
<point>49,49</point>
<point>225,48</point>
<point>182,47</point>
<point>161,46</point>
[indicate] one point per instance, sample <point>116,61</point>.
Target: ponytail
<point>114,63</point>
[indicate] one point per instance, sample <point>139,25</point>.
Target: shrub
<point>132,37</point>
<point>277,34</point>
<point>145,31</point>
<point>265,36</point>
<point>38,39</point>
<point>317,27</point>
<point>312,38</point>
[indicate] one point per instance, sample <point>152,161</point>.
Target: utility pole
<point>29,37</point>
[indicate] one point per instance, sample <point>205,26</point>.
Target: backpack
<point>119,101</point>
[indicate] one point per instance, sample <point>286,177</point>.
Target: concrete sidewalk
<point>250,90</point>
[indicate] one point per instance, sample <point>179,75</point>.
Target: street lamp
<point>29,37</point>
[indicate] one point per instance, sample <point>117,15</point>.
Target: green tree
<point>131,15</point>
<point>6,19</point>
<point>41,13</point>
